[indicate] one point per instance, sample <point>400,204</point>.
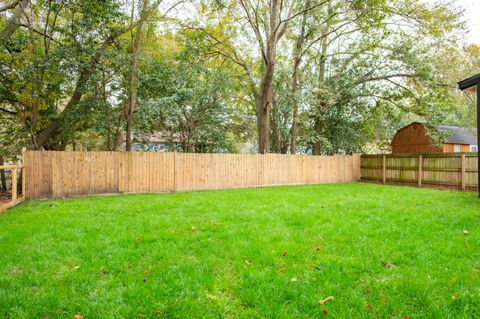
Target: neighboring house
<point>418,138</point>
<point>156,142</point>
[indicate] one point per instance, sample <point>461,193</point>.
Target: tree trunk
<point>43,137</point>
<point>321,106</point>
<point>285,140</point>
<point>2,176</point>
<point>276,138</point>
<point>14,21</point>
<point>133,81</point>
<point>317,145</point>
<point>297,56</point>
<point>264,104</point>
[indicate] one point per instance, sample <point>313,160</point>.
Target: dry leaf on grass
<point>465,232</point>
<point>295,279</point>
<point>325,311</point>
<point>77,316</point>
<point>76,267</point>
<point>388,264</point>
<point>324,301</point>
<point>194,229</point>
<point>454,298</point>
<point>284,253</point>
<point>368,306</point>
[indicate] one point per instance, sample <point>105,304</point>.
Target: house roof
<point>469,83</point>
<point>458,135</point>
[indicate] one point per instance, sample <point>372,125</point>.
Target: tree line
<point>285,76</point>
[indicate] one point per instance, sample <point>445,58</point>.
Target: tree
<point>131,102</point>
<point>268,22</point>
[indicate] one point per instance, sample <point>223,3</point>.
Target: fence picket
<point>58,174</point>
<point>454,171</point>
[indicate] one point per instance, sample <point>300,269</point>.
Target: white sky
<point>472,17</point>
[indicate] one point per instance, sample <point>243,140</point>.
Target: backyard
<point>380,251</point>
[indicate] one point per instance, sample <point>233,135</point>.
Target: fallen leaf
<point>284,253</point>
<point>76,267</point>
<point>454,298</point>
<point>317,249</point>
<point>325,311</point>
<point>324,301</point>
<point>294,279</point>
<point>368,306</point>
<point>465,232</point>
<point>406,317</point>
<point>77,316</point>
<point>388,264</point>
<point>194,229</point>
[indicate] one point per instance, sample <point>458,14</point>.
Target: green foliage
<point>186,99</point>
<point>365,69</point>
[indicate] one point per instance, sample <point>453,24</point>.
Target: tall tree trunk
<point>133,80</point>
<point>317,146</point>
<point>263,107</point>
<point>285,141</point>
<point>297,59</point>
<point>276,137</point>
<point>294,128</point>
<point>321,106</point>
<point>264,104</point>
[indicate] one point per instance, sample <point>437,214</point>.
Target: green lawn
<point>249,253</point>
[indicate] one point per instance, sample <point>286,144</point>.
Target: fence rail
<point>452,170</point>
<point>63,174</point>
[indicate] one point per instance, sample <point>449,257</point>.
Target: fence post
<point>420,170</point>
<point>384,175</point>
<point>24,178</point>
<point>464,182</point>
<point>175,171</point>
<point>14,184</point>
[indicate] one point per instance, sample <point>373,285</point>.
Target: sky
<point>472,17</point>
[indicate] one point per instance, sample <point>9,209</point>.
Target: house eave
<point>469,84</point>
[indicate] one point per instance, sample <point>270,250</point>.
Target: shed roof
<point>458,135</point>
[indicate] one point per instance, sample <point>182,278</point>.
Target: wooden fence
<point>453,170</point>
<point>63,174</point>
<point>14,198</point>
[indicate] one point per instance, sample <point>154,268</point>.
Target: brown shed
<point>414,138</point>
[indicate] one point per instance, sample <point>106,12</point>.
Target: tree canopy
<point>285,76</point>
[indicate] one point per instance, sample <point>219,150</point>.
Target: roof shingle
<point>458,135</point>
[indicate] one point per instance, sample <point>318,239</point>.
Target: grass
<point>249,253</point>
